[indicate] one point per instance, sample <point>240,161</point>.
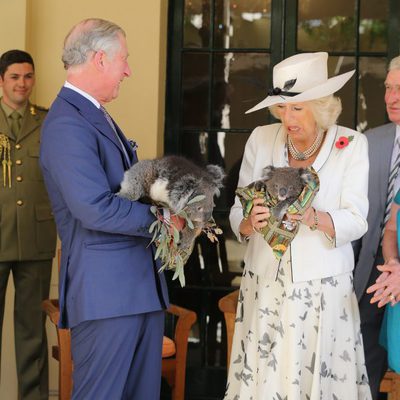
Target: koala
<point>173,181</point>
<point>285,184</point>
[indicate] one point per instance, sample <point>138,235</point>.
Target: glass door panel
<point>373,29</point>
<point>196,24</point>
<point>326,25</point>
<point>240,81</point>
<point>242,24</point>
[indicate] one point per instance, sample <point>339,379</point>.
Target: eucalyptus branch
<point>167,239</point>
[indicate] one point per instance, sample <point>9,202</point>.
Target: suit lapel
<point>384,161</point>
<point>326,148</point>
<point>278,153</point>
<point>96,118</point>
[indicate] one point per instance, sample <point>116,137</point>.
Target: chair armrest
<point>186,319</point>
<point>51,308</point>
<point>228,303</point>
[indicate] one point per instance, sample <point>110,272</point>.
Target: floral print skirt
<point>297,341</point>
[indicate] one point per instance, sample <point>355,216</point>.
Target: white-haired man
<point>111,294</point>
<point>384,149</point>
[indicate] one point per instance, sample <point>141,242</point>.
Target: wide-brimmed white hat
<point>302,77</point>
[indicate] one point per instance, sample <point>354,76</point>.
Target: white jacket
<point>343,175</point>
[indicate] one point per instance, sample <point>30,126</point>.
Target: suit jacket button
<point>19,179</point>
<point>18,162</point>
<point>18,146</point>
<point>20,203</point>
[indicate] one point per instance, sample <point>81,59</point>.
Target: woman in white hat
<point>297,333</point>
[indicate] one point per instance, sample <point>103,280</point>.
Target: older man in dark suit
<point>384,149</point>
<point>111,293</point>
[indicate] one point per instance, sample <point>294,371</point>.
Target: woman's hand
<point>257,219</point>
<point>307,218</point>
<point>387,287</point>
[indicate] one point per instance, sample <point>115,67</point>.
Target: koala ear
<point>217,175</point>
<point>267,172</point>
<point>305,175</point>
<point>259,185</point>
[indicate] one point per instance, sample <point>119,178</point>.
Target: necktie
<point>390,192</point>
<point>111,123</point>
<point>15,123</point>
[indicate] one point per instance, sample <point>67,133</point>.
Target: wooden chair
<point>390,383</point>
<point>174,351</point>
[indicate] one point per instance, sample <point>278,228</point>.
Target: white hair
<point>394,64</point>
<point>90,35</point>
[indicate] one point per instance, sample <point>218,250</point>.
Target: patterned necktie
<point>390,192</point>
<point>111,123</point>
<point>15,123</point>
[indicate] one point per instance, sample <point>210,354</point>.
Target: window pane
<point>196,23</point>
<point>195,90</point>
<point>240,81</point>
<point>326,25</point>
<point>373,25</point>
<point>336,66</point>
<point>242,24</point>
<point>371,92</point>
<point>222,148</point>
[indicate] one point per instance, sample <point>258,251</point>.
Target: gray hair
<point>326,111</point>
<point>90,35</point>
<point>394,64</point>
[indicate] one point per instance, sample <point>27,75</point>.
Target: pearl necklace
<point>304,155</point>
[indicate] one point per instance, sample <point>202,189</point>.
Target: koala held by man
<point>173,181</point>
<point>283,184</point>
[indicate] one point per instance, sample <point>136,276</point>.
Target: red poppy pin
<point>343,141</point>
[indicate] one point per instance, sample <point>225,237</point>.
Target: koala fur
<point>284,184</point>
<point>173,181</point>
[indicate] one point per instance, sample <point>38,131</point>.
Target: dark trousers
<point>118,358</point>
<point>32,284</point>
<point>371,320</point>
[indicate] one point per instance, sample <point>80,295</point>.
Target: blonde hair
<point>326,110</point>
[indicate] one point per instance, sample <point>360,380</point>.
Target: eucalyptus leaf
<point>196,199</point>
<point>158,251</point>
<point>153,225</point>
<point>189,223</point>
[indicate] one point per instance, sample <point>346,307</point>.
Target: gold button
<point>19,178</point>
<point>18,162</point>
<point>18,146</point>
<point>20,202</point>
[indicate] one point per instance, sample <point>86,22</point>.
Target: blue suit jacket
<point>107,265</point>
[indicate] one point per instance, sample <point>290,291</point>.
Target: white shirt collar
<point>82,93</point>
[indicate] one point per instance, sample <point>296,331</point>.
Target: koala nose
<point>207,215</point>
<point>282,192</point>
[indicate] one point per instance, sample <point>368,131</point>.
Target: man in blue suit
<point>111,294</point>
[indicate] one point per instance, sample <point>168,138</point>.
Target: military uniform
<point>27,245</point>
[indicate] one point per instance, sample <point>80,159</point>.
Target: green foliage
<point>166,237</point>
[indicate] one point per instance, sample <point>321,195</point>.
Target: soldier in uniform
<point>27,228</point>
